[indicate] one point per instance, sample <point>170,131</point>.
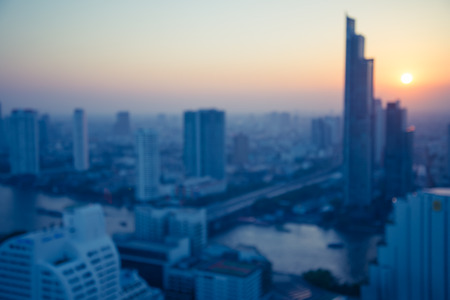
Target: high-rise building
<point>204,143</point>
<point>154,224</point>
<point>357,120</point>
<point>3,138</point>
<point>240,149</point>
<point>148,168</point>
<point>398,152</point>
<point>378,132</point>
<point>24,142</point>
<point>414,262</point>
<point>77,261</point>
<point>122,126</point>
<point>448,153</point>
<point>80,141</point>
<point>44,133</point>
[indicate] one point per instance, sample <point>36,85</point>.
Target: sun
<point>406,78</point>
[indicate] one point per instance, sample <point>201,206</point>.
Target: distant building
<point>122,126</point>
<point>44,134</point>
<point>154,224</point>
<point>77,261</point>
<point>398,152</point>
<point>379,132</point>
<point>204,143</point>
<point>357,121</point>
<point>148,165</point>
<point>80,141</point>
<point>240,149</point>
<point>23,142</point>
<point>414,263</point>
<point>320,134</point>
<point>197,187</point>
<point>228,279</point>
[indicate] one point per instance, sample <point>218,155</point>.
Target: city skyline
<point>241,58</point>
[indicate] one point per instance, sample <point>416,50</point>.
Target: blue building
<point>358,102</point>
<point>204,143</point>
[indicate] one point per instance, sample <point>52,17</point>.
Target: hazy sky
<point>244,55</point>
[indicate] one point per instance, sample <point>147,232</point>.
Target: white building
<point>77,261</point>
<point>80,141</point>
<point>414,263</point>
<point>226,279</point>
<point>148,169</point>
<point>153,223</point>
<point>24,142</point>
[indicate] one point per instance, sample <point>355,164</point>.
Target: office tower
<point>122,126</point>
<point>357,120</point>
<point>414,263</point>
<point>398,152</point>
<point>228,279</point>
<point>24,142</point>
<point>44,124</point>
<point>148,168</point>
<point>240,149</point>
<point>154,224</point>
<point>378,132</point>
<point>80,141</point>
<point>204,143</point>
<point>77,261</point>
<point>448,153</point>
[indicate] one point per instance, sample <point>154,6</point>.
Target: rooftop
<point>229,267</point>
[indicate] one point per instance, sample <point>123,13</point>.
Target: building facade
<point>414,262</point>
<point>148,165</point>
<point>379,133</point>
<point>204,143</point>
<point>80,141</point>
<point>358,101</point>
<point>122,126</point>
<point>23,142</point>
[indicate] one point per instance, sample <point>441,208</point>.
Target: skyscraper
<point>448,153</point>
<point>378,132</point>
<point>414,263</point>
<point>357,120</point>
<point>24,142</point>
<point>398,152</point>
<point>80,141</point>
<point>77,261</point>
<point>204,143</point>
<point>148,168</point>
<point>122,126</point>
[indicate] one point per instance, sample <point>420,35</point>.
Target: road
<point>221,209</point>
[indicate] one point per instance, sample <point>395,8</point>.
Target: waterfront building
<point>227,279</point>
<point>23,142</point>
<point>122,126</point>
<point>240,149</point>
<point>80,141</point>
<point>358,101</point>
<point>379,132</point>
<point>148,165</point>
<point>204,143</point>
<point>414,261</point>
<point>398,152</point>
<point>76,261</point>
<point>154,224</point>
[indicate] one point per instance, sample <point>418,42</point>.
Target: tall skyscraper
<point>24,142</point>
<point>414,263</point>
<point>77,261</point>
<point>122,126</point>
<point>148,168</point>
<point>44,133</point>
<point>240,149</point>
<point>80,141</point>
<point>204,143</point>
<point>398,152</point>
<point>357,120</point>
<point>378,132</point>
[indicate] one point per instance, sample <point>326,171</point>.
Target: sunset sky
<point>242,56</point>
